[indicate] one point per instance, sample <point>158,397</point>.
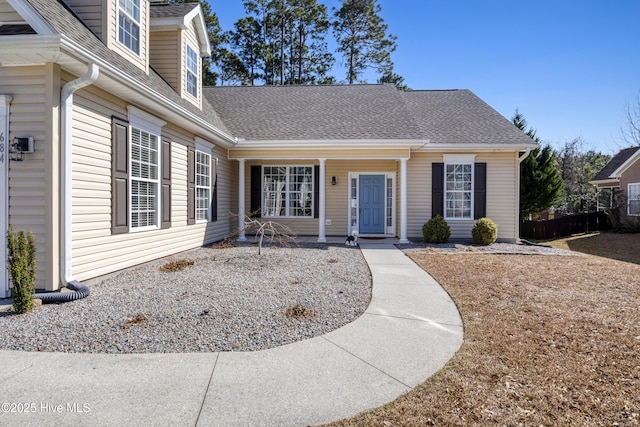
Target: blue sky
<point>570,66</point>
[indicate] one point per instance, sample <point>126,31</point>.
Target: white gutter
<point>66,126</point>
<point>109,69</point>
<point>524,156</point>
<point>332,143</point>
<point>477,147</point>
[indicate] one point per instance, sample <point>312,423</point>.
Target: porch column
<point>403,201</point>
<point>322,238</point>
<point>241,209</point>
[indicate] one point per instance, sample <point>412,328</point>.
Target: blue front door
<point>371,204</point>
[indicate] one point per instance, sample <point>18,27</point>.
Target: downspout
<point>66,126</point>
<point>520,160</point>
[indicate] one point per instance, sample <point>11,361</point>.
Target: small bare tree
<point>631,129</point>
<point>273,231</point>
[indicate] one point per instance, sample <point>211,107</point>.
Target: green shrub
<point>21,264</point>
<point>484,232</point>
<point>436,230</point>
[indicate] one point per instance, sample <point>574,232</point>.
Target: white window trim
<point>459,159</point>
<point>206,148</point>
<point>313,190</point>
<point>145,122</point>
<point>629,197</point>
<point>389,230</point>
<point>139,22</point>
<point>187,71</point>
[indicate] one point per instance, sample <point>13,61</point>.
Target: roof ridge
<point>305,86</point>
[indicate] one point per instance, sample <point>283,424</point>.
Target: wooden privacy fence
<point>564,226</point>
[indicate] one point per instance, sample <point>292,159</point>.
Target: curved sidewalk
<point>408,332</point>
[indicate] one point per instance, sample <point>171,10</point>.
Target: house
<point>621,176</point>
<point>113,153</point>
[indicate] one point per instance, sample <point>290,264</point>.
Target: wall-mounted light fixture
<point>334,180</point>
<point>19,147</point>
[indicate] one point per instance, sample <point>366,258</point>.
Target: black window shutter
<point>480,191</point>
<point>256,191</point>
<point>191,186</point>
<point>214,195</point>
<point>119,176</point>
<point>316,191</point>
<point>437,189</point>
<point>166,183</point>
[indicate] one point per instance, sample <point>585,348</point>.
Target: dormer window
<point>129,24</point>
<point>192,72</point>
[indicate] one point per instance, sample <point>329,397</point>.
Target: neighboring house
<point>622,176</point>
<point>134,160</point>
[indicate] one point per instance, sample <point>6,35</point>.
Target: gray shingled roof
<point>459,116</point>
<point>65,22</point>
<point>615,162</point>
<point>313,112</point>
<point>360,112</point>
<point>175,10</point>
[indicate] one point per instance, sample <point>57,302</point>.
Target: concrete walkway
<point>409,331</point>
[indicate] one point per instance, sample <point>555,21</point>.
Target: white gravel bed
<point>230,300</point>
<point>495,248</point>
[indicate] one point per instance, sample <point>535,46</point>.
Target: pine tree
<point>246,41</point>
<point>391,77</point>
<point>541,185</point>
<point>362,38</point>
<point>310,61</point>
<point>284,41</point>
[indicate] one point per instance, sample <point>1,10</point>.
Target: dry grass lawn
<point>623,247</point>
<point>548,340</point>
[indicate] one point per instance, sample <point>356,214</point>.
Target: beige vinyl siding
<point>227,185</point>
<point>502,197</point>
<point>141,61</point>
<point>95,250</point>
<point>27,181</point>
<point>91,12</point>
<point>190,37</point>
<point>501,194</point>
<point>630,176</point>
<point>8,14</point>
<point>163,51</point>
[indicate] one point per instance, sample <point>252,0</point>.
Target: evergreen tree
<point>362,38</point>
<point>540,183</point>
<point>284,41</point>
<point>310,61</point>
<point>248,44</point>
<point>391,77</point>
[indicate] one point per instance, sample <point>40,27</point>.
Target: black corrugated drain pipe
<point>79,291</point>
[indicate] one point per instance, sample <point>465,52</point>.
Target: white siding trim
<point>4,192</point>
<point>145,121</point>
